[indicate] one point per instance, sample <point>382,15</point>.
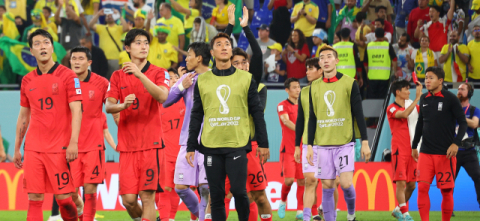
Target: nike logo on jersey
<point>92,178</point>
<point>31,89</point>
<point>123,87</point>
<point>146,184</point>
<point>425,105</point>
<point>255,186</point>
<point>59,188</point>
<point>234,158</point>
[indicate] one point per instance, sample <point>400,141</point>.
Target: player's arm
<point>178,89</point>
<point>409,110</point>
<point>109,139</point>
<point>196,120</point>
<point>23,121</point>
<point>159,93</point>
<point>287,122</point>
<point>72,149</point>
<point>112,107</point>
<point>312,121</point>
<point>472,123</point>
<point>300,124</point>
<point>116,118</point>
<point>418,131</point>
<point>255,108</point>
<point>357,111</point>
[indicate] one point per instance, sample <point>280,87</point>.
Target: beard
<point>462,98</point>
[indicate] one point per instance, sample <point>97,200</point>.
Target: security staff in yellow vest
<point>224,98</point>
<point>349,62</point>
<point>379,61</point>
<point>335,101</point>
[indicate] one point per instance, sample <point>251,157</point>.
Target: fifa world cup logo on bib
<point>329,98</point>
<point>223,93</point>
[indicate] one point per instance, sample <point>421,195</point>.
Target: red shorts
<point>290,168</point>
<point>430,165</point>
<point>47,173</point>
<point>139,171</point>
<point>167,171</point>
<point>89,167</point>
<point>256,179</point>
<point>404,168</point>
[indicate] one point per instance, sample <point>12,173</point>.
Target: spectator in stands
<point>79,11</point>
<point>193,10</point>
<point>346,18</point>
<point>174,25</point>
<point>17,8</point>
<point>437,27</point>
<point>421,13</point>
<point>423,58</point>
<point>379,59</point>
<point>140,5</point>
<point>280,28</point>
<point>263,40</point>
<point>162,54</point>
<point>320,38</point>
<point>110,36</point>
<point>456,69</point>
<point>47,13</point>
<point>402,10</point>
<point>98,57</point>
<point>324,20</point>
<point>40,4</point>
<point>336,37</point>
<point>362,30</point>
<point>305,16</point>
<point>370,6</point>
<point>202,32</point>
<point>403,50</point>
<point>458,21</point>
<point>474,48</point>
<point>474,19</point>
<point>71,27</point>
<point>278,75</point>
<point>349,63</point>
<point>381,12</point>
<point>39,21</point>
<point>90,8</point>
<point>294,55</point>
<point>139,20</point>
<point>20,24</point>
<point>379,23</point>
<point>2,11</point>
<point>123,56</point>
<point>220,15</point>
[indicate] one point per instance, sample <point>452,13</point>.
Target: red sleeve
<point>161,80</point>
<point>113,90</point>
<point>282,109</point>
<point>305,50</point>
<point>389,28</point>
<point>391,111</point>
<point>23,97</point>
<point>410,25</point>
<point>72,87</point>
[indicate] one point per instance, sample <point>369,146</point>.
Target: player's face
<point>79,62</point>
<point>222,49</point>
<point>42,48</point>
<point>173,78</point>
<point>294,90</point>
<point>462,93</point>
<point>313,73</point>
<point>404,93</point>
<point>240,62</point>
<point>431,81</point>
<point>139,47</point>
<point>328,61</point>
<point>191,60</point>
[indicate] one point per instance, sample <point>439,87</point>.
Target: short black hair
<point>437,8</point>
<point>174,71</point>
<point>437,71</point>
<point>381,20</point>
<point>81,49</point>
<point>398,85</point>
<point>406,36</point>
<point>132,34</point>
<point>87,39</point>
<point>289,81</point>
<point>221,35</point>
<point>41,32</point>
<point>379,33</point>
<point>360,16</point>
<point>240,52</point>
<point>345,33</point>
<point>167,5</point>
<point>3,6</point>
<point>201,49</point>
<point>378,8</point>
<point>48,9</point>
<point>313,62</point>
<point>197,20</point>
<point>339,34</point>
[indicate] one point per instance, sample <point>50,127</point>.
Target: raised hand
<point>244,20</point>
<point>231,14</point>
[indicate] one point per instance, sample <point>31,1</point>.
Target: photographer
<point>467,156</point>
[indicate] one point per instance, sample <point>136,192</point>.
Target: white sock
<point>405,214</point>
<point>265,216</point>
<point>282,203</point>
<point>137,219</point>
<point>171,220</point>
<point>350,217</point>
<point>397,209</point>
<point>299,212</point>
<point>208,216</point>
<point>400,205</point>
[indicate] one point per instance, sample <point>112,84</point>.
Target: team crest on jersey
<point>55,89</point>
<point>91,95</point>
<point>319,171</point>
<point>209,161</point>
<point>180,176</point>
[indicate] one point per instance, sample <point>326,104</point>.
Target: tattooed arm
<point>116,118</point>
<point>22,125</point>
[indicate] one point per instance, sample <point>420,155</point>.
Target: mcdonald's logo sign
<point>372,187</point>
<point>11,187</point>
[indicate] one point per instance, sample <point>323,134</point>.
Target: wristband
<point>180,87</point>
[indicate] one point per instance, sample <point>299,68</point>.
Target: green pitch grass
<point>290,216</point>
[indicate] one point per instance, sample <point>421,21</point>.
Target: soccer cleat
<point>98,216</point>
<point>317,218</point>
<point>55,218</point>
<point>281,210</point>
<point>351,217</point>
<point>407,218</point>
<point>397,214</point>
<point>320,210</point>
<point>158,218</point>
<point>299,216</point>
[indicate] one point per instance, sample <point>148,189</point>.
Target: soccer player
<point>314,72</point>
<point>229,96</point>
<point>139,87</point>
<point>335,102</point>
<point>287,114</point>
<point>172,122</point>
<point>185,175</point>
<point>88,170</point>
<point>51,110</point>
<point>440,110</point>
<point>403,164</point>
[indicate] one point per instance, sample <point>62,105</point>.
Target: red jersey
<point>295,68</point>
<point>140,126</point>
<point>48,96</point>
<point>172,121</point>
<point>440,32</point>
<point>401,144</point>
<point>94,89</point>
<point>104,119</point>
<point>288,135</point>
<point>415,15</point>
